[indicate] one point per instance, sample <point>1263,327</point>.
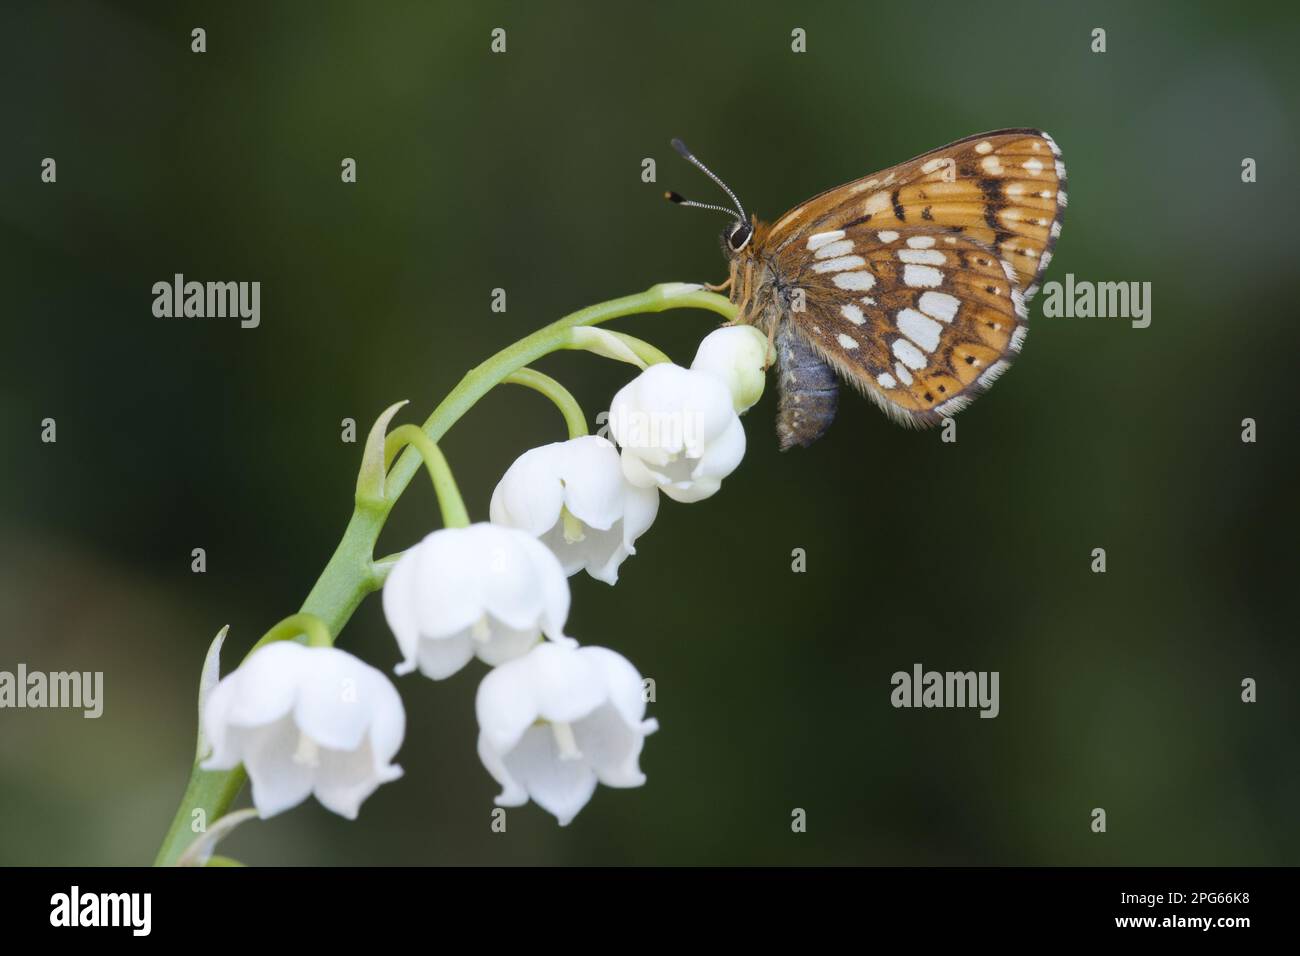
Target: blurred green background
<point>523,171</point>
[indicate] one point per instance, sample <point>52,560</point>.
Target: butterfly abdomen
<point>809,390</point>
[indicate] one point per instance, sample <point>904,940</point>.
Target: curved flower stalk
<point>556,722</point>
<point>202,852</point>
<point>574,497</point>
<point>484,591</point>
<point>302,717</point>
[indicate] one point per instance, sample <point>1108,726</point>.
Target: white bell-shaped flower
<point>559,720</point>
<point>306,720</point>
<point>573,497</point>
<point>678,431</point>
<point>737,356</point>
<point>485,590</point>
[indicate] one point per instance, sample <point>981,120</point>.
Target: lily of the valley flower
<point>486,591</point>
<point>554,723</point>
<point>306,720</point>
<point>737,356</point>
<point>572,495</point>
<point>678,430</point>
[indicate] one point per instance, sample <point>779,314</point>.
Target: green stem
<point>308,625</point>
<point>351,572</point>
<point>209,791</point>
<point>450,502</point>
<point>483,378</point>
<point>644,350</point>
<point>380,568</point>
<point>616,345</point>
<point>557,393</point>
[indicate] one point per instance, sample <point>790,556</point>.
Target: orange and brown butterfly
<point>912,283</point>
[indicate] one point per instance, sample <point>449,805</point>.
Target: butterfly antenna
<point>681,200</point>
<point>687,155</point>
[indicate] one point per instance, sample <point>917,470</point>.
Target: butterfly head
<point>737,236</point>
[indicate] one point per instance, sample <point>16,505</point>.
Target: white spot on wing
<point>922,257</point>
<point>822,238</point>
<point>946,163</point>
<point>852,313</point>
<point>921,329</point>
<point>847,341</point>
<point>920,242</point>
<point>833,249</point>
<point>909,354</point>
<point>887,236</point>
<point>876,202</point>
<point>922,277</point>
<point>860,281</point>
<point>886,380</point>
<point>984,147</point>
<point>1034,165</point>
<point>903,374</point>
<point>940,305</point>
<point>841,264</point>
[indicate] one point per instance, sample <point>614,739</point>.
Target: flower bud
<point>737,356</point>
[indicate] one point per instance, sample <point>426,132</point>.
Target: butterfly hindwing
<point>921,319</point>
<point>912,283</point>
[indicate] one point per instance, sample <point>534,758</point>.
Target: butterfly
<point>911,284</point>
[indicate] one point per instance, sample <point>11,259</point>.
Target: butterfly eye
<point>739,236</point>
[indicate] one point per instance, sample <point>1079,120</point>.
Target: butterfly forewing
<point>922,319</point>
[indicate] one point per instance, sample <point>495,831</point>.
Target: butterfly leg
<point>723,287</point>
